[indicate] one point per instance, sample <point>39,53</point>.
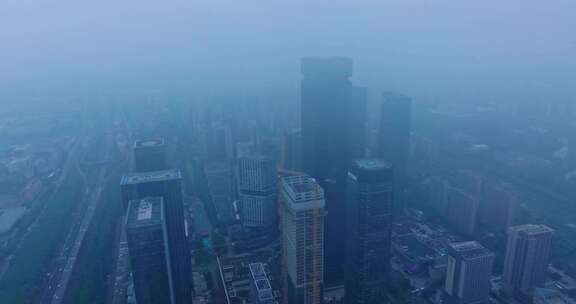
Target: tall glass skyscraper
<point>168,185</point>
<point>332,112</point>
<point>369,207</point>
<point>147,238</point>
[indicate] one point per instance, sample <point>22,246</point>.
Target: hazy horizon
<point>427,49</point>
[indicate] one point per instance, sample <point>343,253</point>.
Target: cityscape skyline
<point>351,152</point>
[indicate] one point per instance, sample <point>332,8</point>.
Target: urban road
<point>68,165</point>
<point>56,283</point>
<point>120,273</point>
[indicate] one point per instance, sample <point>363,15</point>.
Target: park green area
<point>37,250</point>
<point>95,261</point>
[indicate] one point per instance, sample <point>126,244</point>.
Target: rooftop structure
<point>326,66</point>
<point>414,254</point>
<point>247,280</point>
<point>154,176</point>
<point>146,143</point>
<point>371,164</point>
<point>469,250</point>
<point>261,285</point>
<point>145,212</point>
<point>302,188</point>
<point>531,229</point>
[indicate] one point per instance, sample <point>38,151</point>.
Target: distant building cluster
<point>32,153</point>
<point>324,207</point>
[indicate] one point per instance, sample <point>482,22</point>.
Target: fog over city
<point>432,48</point>
<point>288,152</point>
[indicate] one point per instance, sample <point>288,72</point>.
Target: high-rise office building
<point>438,189</point>
<point>292,151</point>
<point>168,185</point>
<point>326,93</point>
<point>358,119</point>
<point>468,273</point>
<point>370,208</point>
<point>149,155</point>
<point>256,182</point>
<point>271,147</point>
<point>461,210</point>
<point>330,114</point>
<point>216,141</point>
<point>148,249</point>
<point>302,213</point>
<point>526,261</point>
<point>394,143</point>
<point>497,206</point>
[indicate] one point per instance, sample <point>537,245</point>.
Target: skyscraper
<point>526,261</point>
<point>256,178</point>
<point>497,206</point>
<point>370,207</point>
<point>149,155</point>
<point>330,111</point>
<point>468,273</point>
<point>325,99</point>
<point>168,185</point>
<point>148,248</point>
<point>394,142</point>
<point>292,151</point>
<point>461,210</point>
<point>302,213</point>
<point>358,118</point>
<point>438,188</point>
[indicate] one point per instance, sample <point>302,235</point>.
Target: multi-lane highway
<point>64,173</point>
<point>62,268</point>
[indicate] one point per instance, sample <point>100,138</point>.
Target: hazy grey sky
<point>425,46</point>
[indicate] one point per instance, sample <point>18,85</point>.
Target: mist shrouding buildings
<point>299,152</point>
<point>330,106</point>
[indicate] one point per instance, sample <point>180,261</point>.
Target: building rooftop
<point>145,212</point>
<point>531,229</point>
<point>470,250</point>
<point>371,170</point>
<point>154,176</point>
<point>302,189</point>
<point>390,96</point>
<point>261,282</point>
<point>247,280</point>
<point>334,66</point>
<point>412,248</point>
<point>145,143</point>
<point>371,164</point>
